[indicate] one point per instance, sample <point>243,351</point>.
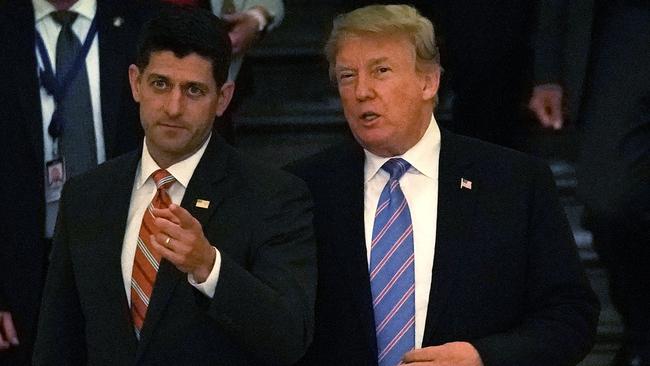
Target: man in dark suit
<point>25,113</point>
<point>184,253</point>
<point>432,247</point>
<point>613,166</point>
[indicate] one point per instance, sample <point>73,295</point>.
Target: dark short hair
<point>183,31</point>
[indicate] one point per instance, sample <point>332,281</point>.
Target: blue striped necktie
<point>392,278</point>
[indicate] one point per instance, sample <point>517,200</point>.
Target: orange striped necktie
<point>147,259</point>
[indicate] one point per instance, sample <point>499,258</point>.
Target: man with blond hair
<point>433,249</point>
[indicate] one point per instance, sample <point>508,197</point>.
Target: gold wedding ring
<point>169,238</point>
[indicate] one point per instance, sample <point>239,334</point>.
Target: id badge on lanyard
<point>57,86</point>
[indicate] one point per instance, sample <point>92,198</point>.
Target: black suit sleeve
<point>562,310</point>
<point>268,308</point>
<point>60,337</point>
<point>549,40</point>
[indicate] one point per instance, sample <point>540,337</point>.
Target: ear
<point>431,83</point>
<point>134,78</point>
<point>225,95</point>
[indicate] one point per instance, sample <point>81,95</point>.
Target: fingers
<point>546,103</point>
<point>244,31</point>
<point>232,18</point>
<point>554,110</point>
<point>186,220</point>
<point>166,251</point>
<point>8,335</point>
<point>537,105</point>
<point>178,229</point>
<point>421,355</point>
<point>542,117</point>
<point>165,213</point>
<point>181,241</point>
<point>175,215</point>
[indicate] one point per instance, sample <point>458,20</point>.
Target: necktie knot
<point>163,179</point>
<point>396,167</point>
<point>64,17</point>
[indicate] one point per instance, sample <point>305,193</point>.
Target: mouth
<point>170,125</point>
<point>369,116</point>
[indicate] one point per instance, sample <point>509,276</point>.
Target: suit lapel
<point>115,201</point>
<point>23,38</point>
<point>455,218</point>
<point>349,183</point>
<point>208,183</point>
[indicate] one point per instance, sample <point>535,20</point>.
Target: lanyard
<point>58,87</point>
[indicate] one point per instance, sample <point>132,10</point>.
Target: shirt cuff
<point>210,284</point>
<point>260,17</point>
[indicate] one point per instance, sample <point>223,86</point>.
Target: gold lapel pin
<point>202,203</point>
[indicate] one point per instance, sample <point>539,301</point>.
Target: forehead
<point>364,48</point>
<point>190,68</point>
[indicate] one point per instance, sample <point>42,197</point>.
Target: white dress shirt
<point>49,31</point>
<point>420,187</point>
<point>144,189</point>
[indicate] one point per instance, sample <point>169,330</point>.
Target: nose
<point>175,103</point>
<point>364,87</point>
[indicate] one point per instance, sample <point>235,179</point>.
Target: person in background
<point>65,107</point>
<point>247,21</point>
<point>613,167</point>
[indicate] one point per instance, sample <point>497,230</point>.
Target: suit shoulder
<point>495,158</point>
<point>260,177</point>
<point>105,171</point>
<point>328,162</point>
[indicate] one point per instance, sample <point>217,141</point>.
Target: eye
<point>159,84</point>
<point>195,91</point>
<point>345,75</point>
<point>382,69</point>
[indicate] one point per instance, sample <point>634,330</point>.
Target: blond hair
<point>385,19</point>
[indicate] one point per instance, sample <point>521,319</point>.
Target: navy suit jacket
<point>24,253</point>
<point>506,275</point>
<point>262,309</point>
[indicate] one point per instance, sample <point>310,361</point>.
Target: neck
<point>62,4</point>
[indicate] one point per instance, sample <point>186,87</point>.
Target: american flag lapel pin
<point>465,183</point>
<point>202,203</point>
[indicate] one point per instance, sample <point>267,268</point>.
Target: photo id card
<point>54,179</point>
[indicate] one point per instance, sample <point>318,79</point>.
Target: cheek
<point>349,106</point>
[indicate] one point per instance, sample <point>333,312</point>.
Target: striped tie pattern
<point>392,278</point>
<point>147,259</point>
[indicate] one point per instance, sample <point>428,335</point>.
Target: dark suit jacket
<point>24,253</point>
<point>262,309</point>
<point>506,276</point>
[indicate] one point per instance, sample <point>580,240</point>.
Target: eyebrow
<point>376,61</point>
<point>154,75</point>
<point>198,84</point>
<point>372,62</point>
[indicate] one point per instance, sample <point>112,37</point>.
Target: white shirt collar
<point>85,8</point>
<point>422,156</point>
<point>182,171</point>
